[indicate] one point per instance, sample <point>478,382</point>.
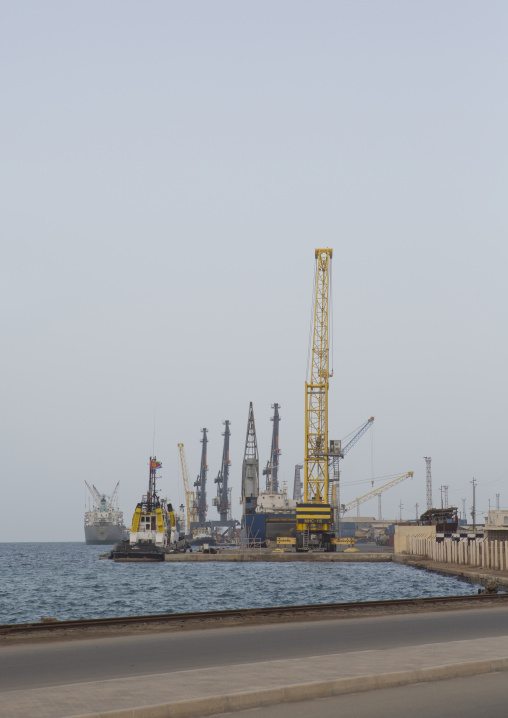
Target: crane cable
<point>388,477</point>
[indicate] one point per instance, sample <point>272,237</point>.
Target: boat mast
<point>152,500</point>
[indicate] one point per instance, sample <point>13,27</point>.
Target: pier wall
<point>403,535</point>
<point>476,552</point>
<point>267,556</point>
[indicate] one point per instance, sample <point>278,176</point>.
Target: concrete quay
<point>214,690</point>
<point>472,574</point>
<point>269,555</point>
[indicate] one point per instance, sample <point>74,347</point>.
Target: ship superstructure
<point>151,523</point>
<point>103,521</point>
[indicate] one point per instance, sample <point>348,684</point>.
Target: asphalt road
<point>472,697</point>
<point>75,661</point>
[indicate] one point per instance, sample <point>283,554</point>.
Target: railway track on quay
<point>243,616</point>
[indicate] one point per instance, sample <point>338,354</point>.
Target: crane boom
<point>95,494</point>
<point>356,437</point>
<point>335,463</point>
<point>200,482</point>
<point>250,468</point>
<point>190,499</point>
<point>375,492</point>
<point>223,498</point>
<point>115,491</point>
<point>272,465</point>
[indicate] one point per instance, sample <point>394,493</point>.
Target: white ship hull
<point>105,533</point>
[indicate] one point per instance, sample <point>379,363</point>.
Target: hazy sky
<point>168,169</point>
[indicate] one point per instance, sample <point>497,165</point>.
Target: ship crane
<point>190,497</point>
<point>272,466</point>
<point>250,471</point>
<point>200,483</point>
<point>353,441</point>
<point>97,497</point>
<point>223,498</point>
<point>375,492</point>
<point>115,492</point>
<point>334,497</point>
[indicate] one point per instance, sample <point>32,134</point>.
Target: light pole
<point>473,513</point>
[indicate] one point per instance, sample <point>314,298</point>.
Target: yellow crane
<point>313,516</point>
<point>375,492</point>
<point>190,497</point>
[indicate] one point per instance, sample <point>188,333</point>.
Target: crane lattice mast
<point>200,483</point>
<point>190,497</point>
<point>250,467</point>
<point>428,459</point>
<point>223,500</point>
<point>314,515</point>
<point>272,466</point>
<point>316,391</point>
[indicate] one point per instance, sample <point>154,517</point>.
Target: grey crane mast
<point>428,459</point>
<point>272,466</point>
<point>298,483</point>
<point>223,500</point>
<point>250,467</point>
<point>200,483</point>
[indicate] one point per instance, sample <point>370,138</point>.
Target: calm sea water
<point>68,581</point>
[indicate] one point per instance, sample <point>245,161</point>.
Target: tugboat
<point>201,537</point>
<point>153,532</point>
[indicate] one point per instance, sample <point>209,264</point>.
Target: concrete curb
<point>212,705</point>
<point>471,574</point>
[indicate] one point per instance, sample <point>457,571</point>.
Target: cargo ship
<point>274,516</point>
<point>104,522</point>
<point>153,532</point>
